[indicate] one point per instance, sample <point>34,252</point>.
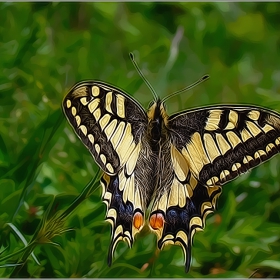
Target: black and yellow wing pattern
<point>175,164</point>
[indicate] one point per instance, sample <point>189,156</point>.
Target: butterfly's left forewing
<point>107,120</point>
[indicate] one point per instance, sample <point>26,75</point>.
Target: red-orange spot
<point>156,221</point>
<point>138,220</point>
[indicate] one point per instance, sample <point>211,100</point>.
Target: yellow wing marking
<point>180,165</point>
<point>269,147</point>
<point>205,205</point>
<point>104,121</point>
<point>97,114</point>
<point>68,103</point>
<point>224,174</point>
<point>126,189</point>
<point>189,190</point>
<point>110,167</point>
<point>267,128</point>
<point>195,153</point>
<point>182,235</point>
<point>108,102</point>
<point>126,145</point>
<point>120,106</point>
<point>213,120</point>
<point>84,101</point>
<point>122,180</point>
<point>74,111</point>
<point>91,138</point>
<point>78,120</point>
<point>193,182</point>
<point>117,134</point>
<point>173,194</point>
<point>93,105</point>
<point>107,197</point>
<point>233,119</point>
<point>182,194</point>
<point>110,128</point>
<point>233,139</point>
<point>212,181</point>
<point>260,153</point>
<point>83,129</point>
<point>103,158</point>
<point>97,148</point>
<point>249,158</point>
<point>196,221</point>
<point>253,128</point>
<point>211,147</point>
<point>137,200</point>
<point>95,91</point>
<point>223,144</point>
<point>245,135</point>
<point>165,238</point>
<point>112,213</point>
<point>131,163</point>
<point>236,166</point>
<point>254,115</point>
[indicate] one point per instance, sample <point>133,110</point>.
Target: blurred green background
<point>47,47</point>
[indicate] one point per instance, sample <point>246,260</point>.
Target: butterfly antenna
<point>204,78</point>
<point>142,76</point>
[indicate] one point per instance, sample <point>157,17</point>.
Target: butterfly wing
<point>208,147</point>
<point>108,122</point>
<point>111,125</point>
<point>222,142</point>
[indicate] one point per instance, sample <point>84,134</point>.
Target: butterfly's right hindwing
<point>108,121</point>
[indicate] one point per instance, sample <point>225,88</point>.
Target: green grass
<point>44,168</point>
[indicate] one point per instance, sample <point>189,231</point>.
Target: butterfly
<point>172,165</point>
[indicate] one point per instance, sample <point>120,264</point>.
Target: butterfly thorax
<point>155,122</point>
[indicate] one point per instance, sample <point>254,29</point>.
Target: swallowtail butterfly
<point>174,164</point>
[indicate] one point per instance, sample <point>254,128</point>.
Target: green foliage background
<point>47,47</point>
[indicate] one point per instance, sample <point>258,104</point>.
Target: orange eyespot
<point>156,221</point>
<point>138,220</point>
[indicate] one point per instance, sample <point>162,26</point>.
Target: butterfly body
<point>176,165</point>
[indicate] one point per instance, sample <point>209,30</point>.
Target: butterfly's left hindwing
<point>108,121</point>
<point>125,210</point>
